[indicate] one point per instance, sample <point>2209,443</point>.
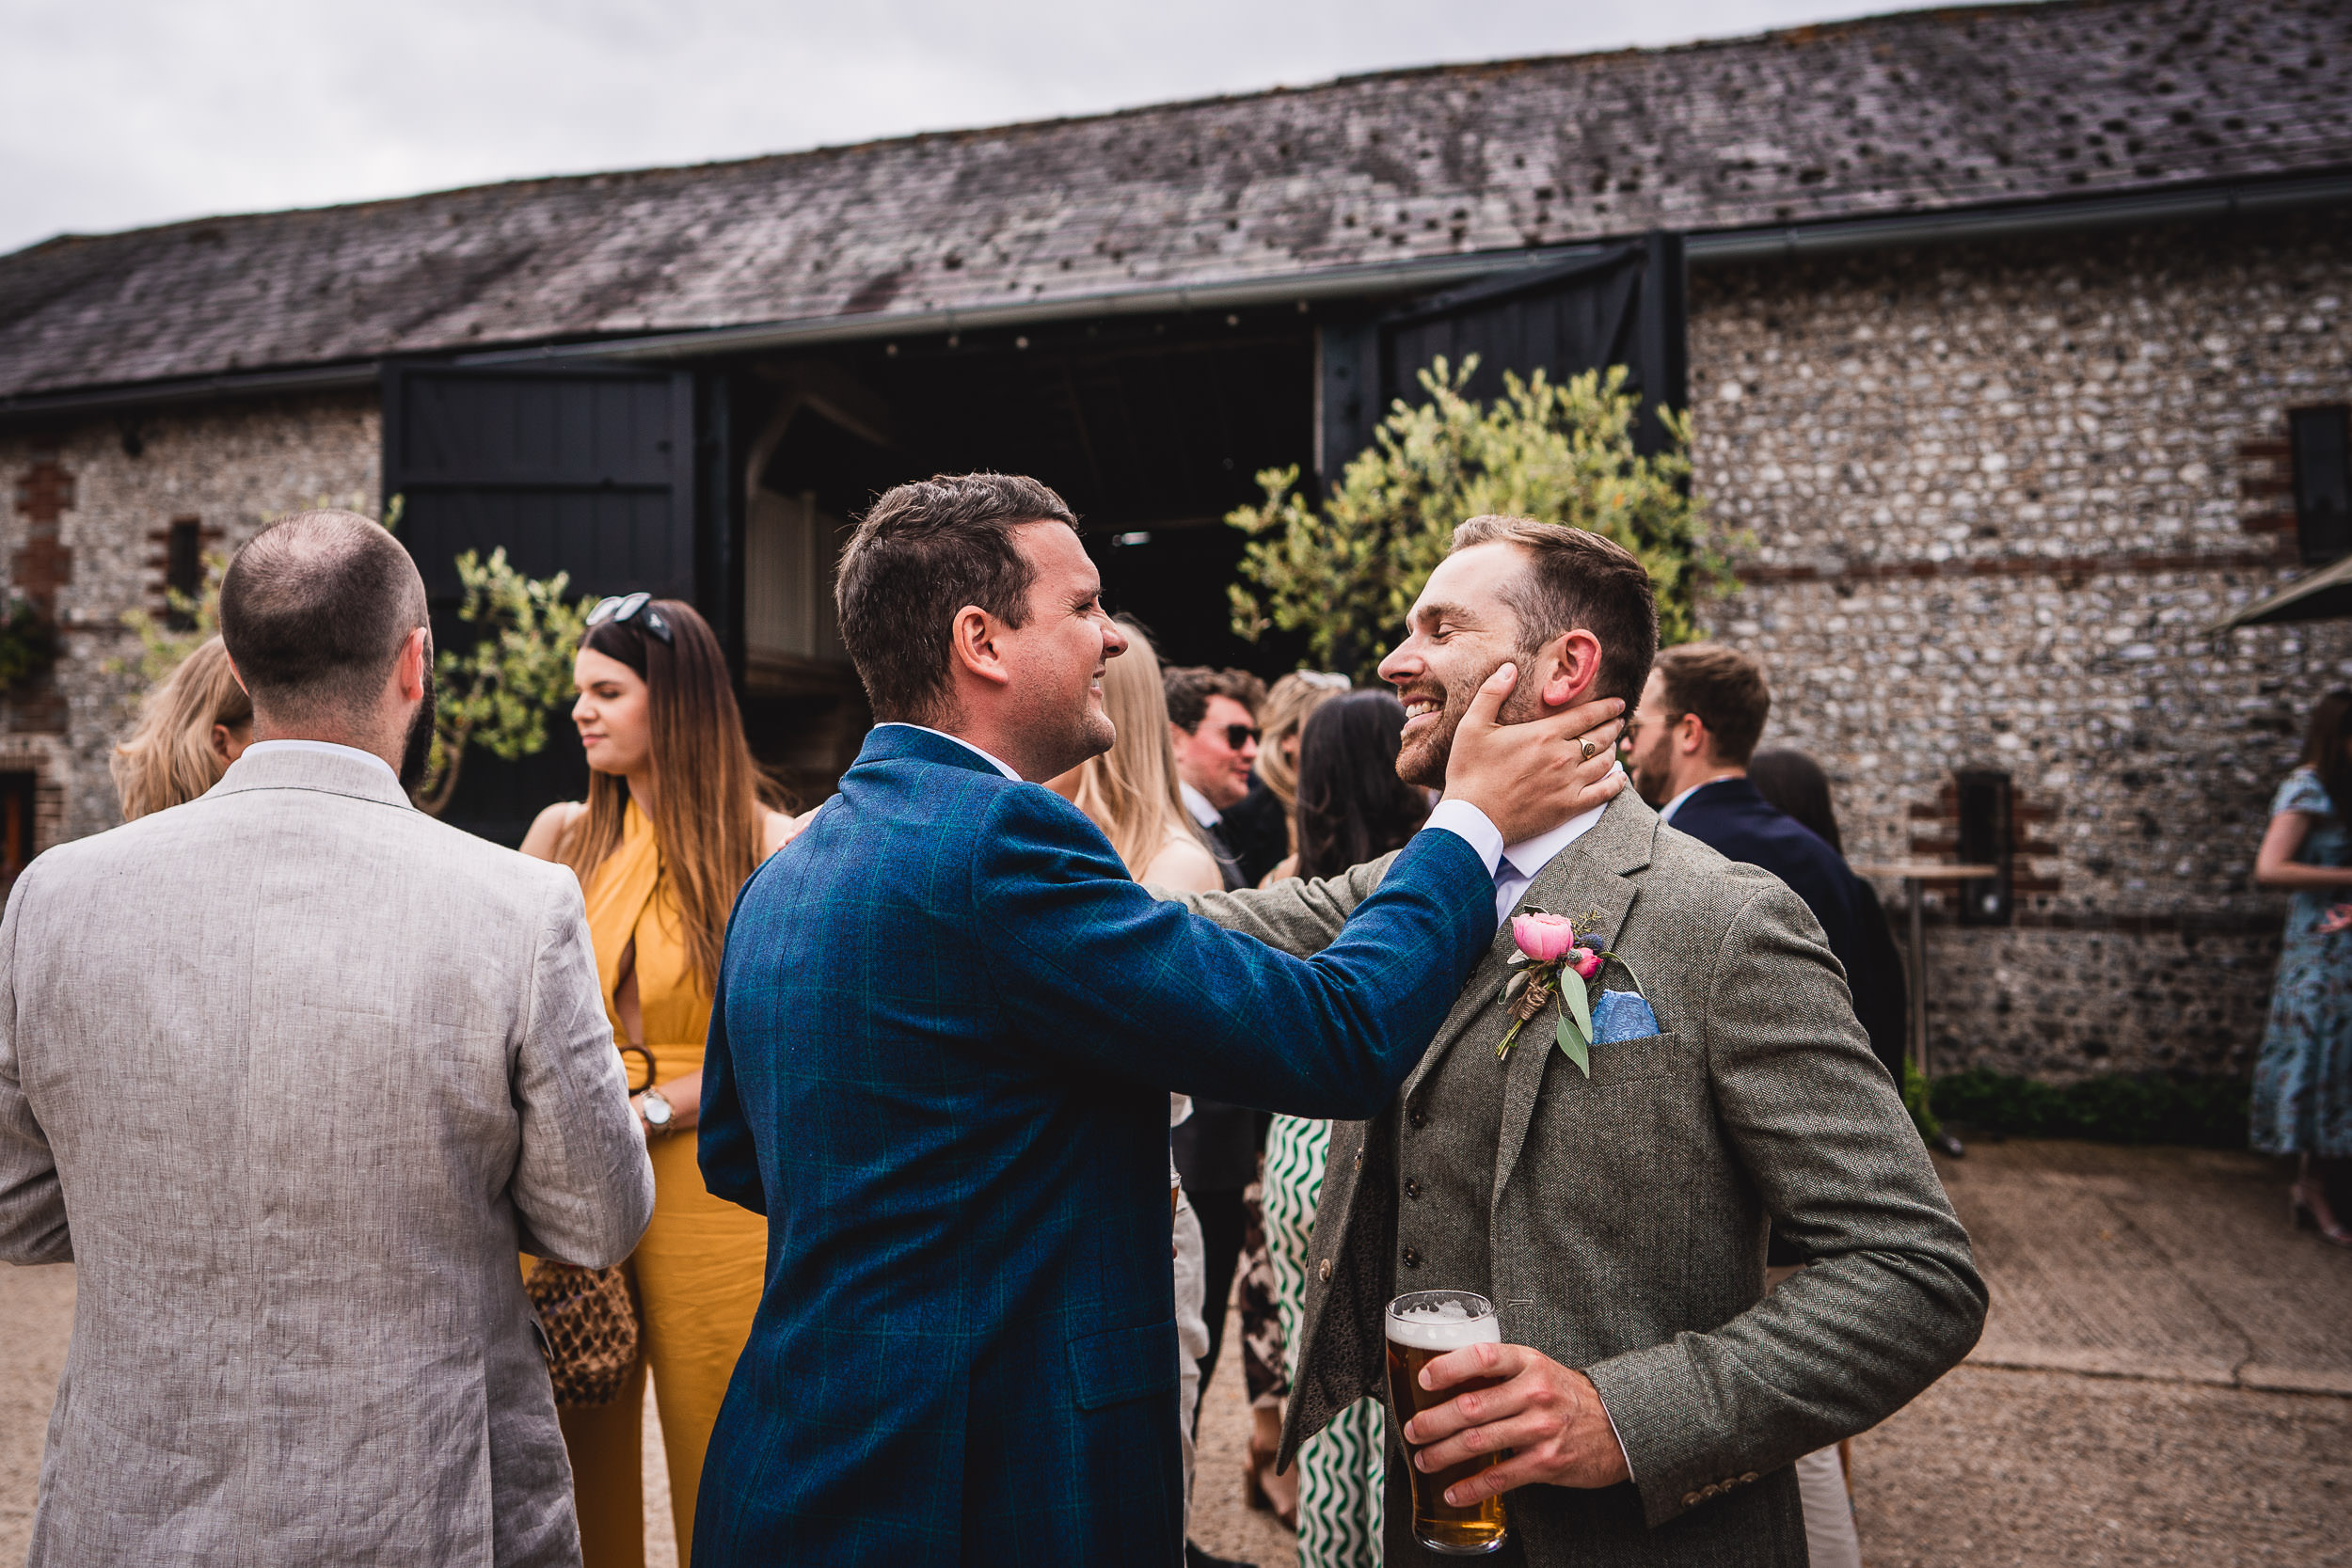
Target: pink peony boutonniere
<point>1551,955</point>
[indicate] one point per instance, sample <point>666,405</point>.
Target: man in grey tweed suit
<point>289,1073</point>
<point>1657,1396</point>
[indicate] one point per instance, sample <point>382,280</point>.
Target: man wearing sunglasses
<point>1214,731</point>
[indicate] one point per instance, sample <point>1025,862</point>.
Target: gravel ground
<point>1993,1468</point>
<point>37,1312</point>
<point>2166,1378</point>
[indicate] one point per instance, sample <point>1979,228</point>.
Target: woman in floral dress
<point>2303,1079</point>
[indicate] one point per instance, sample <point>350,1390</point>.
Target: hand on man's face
<point>1528,778</point>
<point>1461,630</point>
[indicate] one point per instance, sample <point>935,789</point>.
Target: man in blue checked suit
<point>946,1027</point>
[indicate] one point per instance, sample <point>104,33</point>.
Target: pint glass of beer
<point>1422,1326</point>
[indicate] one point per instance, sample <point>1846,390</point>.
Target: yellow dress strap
<point>616,896</point>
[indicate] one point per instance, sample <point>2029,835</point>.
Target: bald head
<point>314,611</point>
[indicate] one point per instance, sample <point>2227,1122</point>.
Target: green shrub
<point>2119,1108</point>
<point>1561,453</point>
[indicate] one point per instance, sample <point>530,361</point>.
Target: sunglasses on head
<point>633,606</point>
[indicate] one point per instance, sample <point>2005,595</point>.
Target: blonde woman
<point>1130,793</point>
<point>674,820</point>
<point>1130,790</point>
<point>192,725</point>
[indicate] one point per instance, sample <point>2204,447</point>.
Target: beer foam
<point>1443,1325</point>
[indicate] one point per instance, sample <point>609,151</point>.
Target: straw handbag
<point>591,1326</point>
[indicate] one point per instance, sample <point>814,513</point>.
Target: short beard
<point>1423,763</point>
<point>419,750</point>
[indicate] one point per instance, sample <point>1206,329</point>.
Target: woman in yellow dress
<point>674,822</point>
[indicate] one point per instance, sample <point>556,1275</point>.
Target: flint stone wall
<point>232,467</point>
<point>1997,495</point>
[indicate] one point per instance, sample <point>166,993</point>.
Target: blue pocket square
<point>1621,1015</point>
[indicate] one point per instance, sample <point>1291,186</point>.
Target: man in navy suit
<point>1699,718</point>
<point>945,1029</point>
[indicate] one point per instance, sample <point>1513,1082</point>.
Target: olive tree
<point>1345,574</point>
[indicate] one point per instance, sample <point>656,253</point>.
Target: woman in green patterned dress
<point>1352,807</point>
<point>2303,1078</point>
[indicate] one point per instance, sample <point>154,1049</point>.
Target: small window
<point>1986,838</point>
<point>2322,445</point>
<point>183,569</point>
<point>16,825</point>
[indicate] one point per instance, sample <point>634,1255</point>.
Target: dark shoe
<point>1195,1558</point>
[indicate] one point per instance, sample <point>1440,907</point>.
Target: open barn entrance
<point>1152,429</point>
<point>729,474</point>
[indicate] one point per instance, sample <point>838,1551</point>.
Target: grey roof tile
<point>1906,113</point>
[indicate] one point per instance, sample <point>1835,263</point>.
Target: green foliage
<point>29,643</point>
<point>496,694</point>
<point>1561,453</point>
<point>2209,1112</point>
<point>163,646</point>
<point>1916,1100</point>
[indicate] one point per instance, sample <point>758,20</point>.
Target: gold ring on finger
<point>1590,749</point>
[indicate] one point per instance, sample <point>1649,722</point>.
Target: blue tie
<point>1503,870</point>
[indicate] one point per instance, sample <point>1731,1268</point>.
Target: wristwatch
<point>656,1110</point>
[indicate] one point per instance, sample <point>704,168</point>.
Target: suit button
<point>1412,1258</point>
<point>1360,1161</point>
<point>1412,1188</point>
<point>1323,1270</point>
<point>1418,1117</point>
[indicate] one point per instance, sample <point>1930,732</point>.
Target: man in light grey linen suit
<point>1656,1394</point>
<point>290,1073</point>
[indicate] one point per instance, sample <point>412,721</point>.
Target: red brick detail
<point>209,539</point>
<point>1935,835</point>
<point>2068,566</point>
<point>2265,488</point>
<point>43,565</point>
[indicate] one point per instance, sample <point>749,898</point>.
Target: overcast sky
<point>114,114</point>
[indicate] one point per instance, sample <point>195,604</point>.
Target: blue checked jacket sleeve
<point>1093,968</point>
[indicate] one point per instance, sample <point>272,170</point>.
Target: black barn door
<point>1622,306</point>
<point>585,469</point>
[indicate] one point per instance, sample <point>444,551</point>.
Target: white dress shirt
<point>1198,804</point>
<point>328,748</point>
<point>1523,861</point>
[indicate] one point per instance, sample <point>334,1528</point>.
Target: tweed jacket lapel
<point>1586,879</point>
<point>1477,999</point>
<point>1582,877</point>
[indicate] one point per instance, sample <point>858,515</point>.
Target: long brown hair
<point>705,815</point>
<point>169,758</point>
<point>1352,807</point>
<point>1130,790</point>
<point>2322,748</point>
